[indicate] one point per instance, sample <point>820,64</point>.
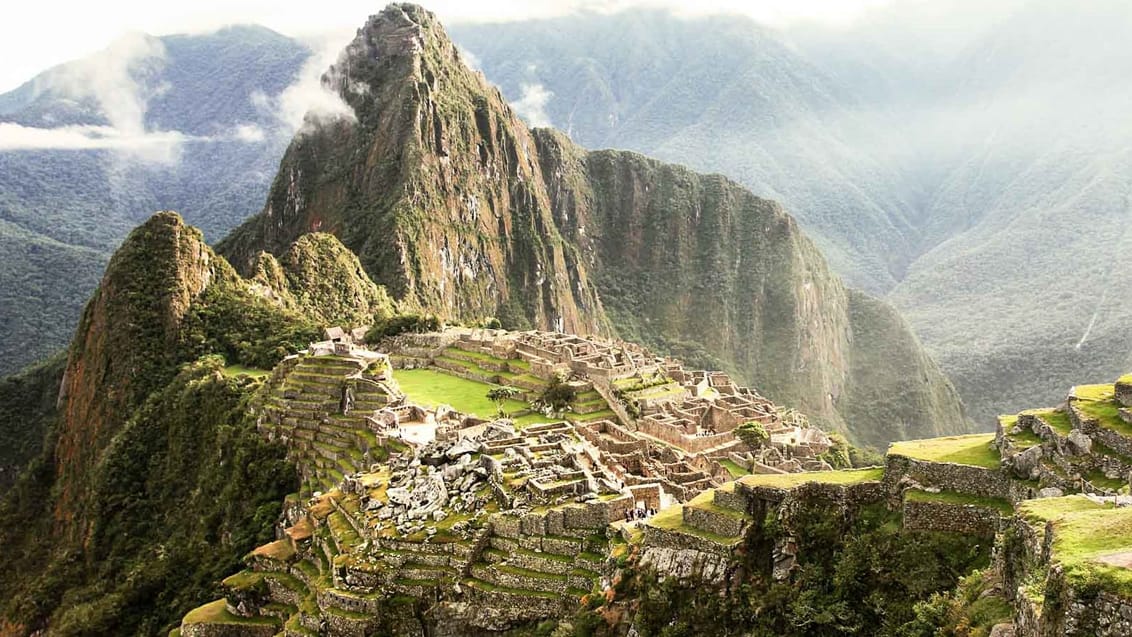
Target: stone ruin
<point>683,420</point>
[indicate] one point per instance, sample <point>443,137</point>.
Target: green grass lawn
<point>788,480</point>
<point>1043,509</point>
<point>1083,533</point>
<point>1093,392</point>
<point>1099,479</point>
<point>1107,413</point>
<point>432,388</point>
<point>976,450</point>
<point>1024,439</point>
<point>1058,419</point>
<point>672,519</point>
<point>217,613</point>
<point>734,469</point>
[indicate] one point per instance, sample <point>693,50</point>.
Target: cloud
<point>121,78</point>
<point>469,59</point>
<point>159,147</point>
<point>310,99</point>
<point>248,133</point>
<point>153,146</point>
<point>531,105</point>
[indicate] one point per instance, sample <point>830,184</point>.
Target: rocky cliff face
<point>459,209</point>
<point>698,266</point>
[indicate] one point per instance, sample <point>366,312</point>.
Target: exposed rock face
<point>449,200</point>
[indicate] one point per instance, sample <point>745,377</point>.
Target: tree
<point>502,394</point>
<point>557,396</point>
<point>753,433</point>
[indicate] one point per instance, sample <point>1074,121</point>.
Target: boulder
<point>1080,443</point>
<point>1025,465</point>
<point>462,447</point>
<point>399,495</point>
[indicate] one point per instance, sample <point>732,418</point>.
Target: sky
<point>37,35</point>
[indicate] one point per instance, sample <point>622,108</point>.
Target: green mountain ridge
<point>148,441</point>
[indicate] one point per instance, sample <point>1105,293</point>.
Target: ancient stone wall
<point>947,476</point>
<point>1101,434</point>
<point>951,518</point>
<point>674,436</point>
<point>1106,615</point>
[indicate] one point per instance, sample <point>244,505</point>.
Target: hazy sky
<point>41,33</point>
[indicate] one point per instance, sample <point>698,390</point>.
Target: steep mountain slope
<point>185,126</point>
<point>28,403</point>
<point>150,443</point>
<point>458,209</point>
<point>436,188</point>
<point>720,94</point>
<point>978,179</point>
<point>1022,291</point>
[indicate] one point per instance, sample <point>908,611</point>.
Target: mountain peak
<point>404,43</point>
<point>437,188</point>
<point>400,29</point>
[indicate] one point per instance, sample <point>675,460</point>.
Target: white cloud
<point>248,133</point>
<point>309,100</point>
<point>120,80</point>
<point>161,147</point>
<point>531,105</point>
<point>469,59</point>
<point>115,78</point>
<point>153,146</point>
